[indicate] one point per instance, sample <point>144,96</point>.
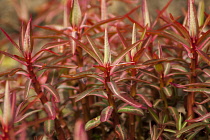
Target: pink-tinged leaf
<point>200,14</point>
<point>95,49</point>
<point>145,99</point>
<point>99,93</point>
<point>192,19</point>
<point>79,131</point>
<point>87,49</point>
<point>50,110</point>
<point>131,110</point>
<point>106,113</point>
<point>154,61</point>
<point>168,91</point>
<point>191,135</point>
<point>85,93</point>
<point>179,68</point>
<point>27,88</point>
<point>174,113</point>
<point>53,91</point>
<point>49,127</point>
<point>167,68</point>
<point>20,118</point>
<point>100,104</point>
<point>134,50</point>
<point>54,44</point>
<point>113,87</point>
<point>201,118</point>
<point>27,41</point>
<point>148,73</point>
<point>16,58</point>
<point>204,101</point>
<point>154,115</point>
<point>154,86</point>
<point>188,128</point>
<point>92,123</point>
<point>107,51</point>
<point>13,72</point>
<point>73,43</point>
<point>134,79</point>
<point>59,66</point>
<point>204,90</point>
<point>80,74</point>
<point>103,10</point>
<point>203,40</point>
<point>7,117</point>
<point>145,13</point>
<point>124,52</point>
<point>204,56</point>
<point>76,14</point>
<point>120,130</point>
<point>12,41</point>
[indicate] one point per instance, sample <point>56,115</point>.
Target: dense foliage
<point>99,76</point>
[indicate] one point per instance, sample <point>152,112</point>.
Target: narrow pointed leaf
<point>124,52</point>
<point>53,91</point>
<point>10,39</point>
<point>49,127</point>
<point>192,19</point>
<point>19,59</point>
<point>134,50</point>
<point>7,117</point>
<point>50,110</point>
<point>192,126</point>
<point>87,49</point>
<point>200,14</point>
<point>168,92</point>
<point>174,113</point>
<point>95,49</point>
<point>27,88</point>
<point>154,115</point>
<point>145,13</point>
<point>27,42</point>
<point>20,118</point>
<point>92,123</point>
<point>131,110</point>
<point>145,99</point>
<point>205,90</point>
<point>201,118</point>
<point>113,87</point>
<point>107,51</point>
<point>204,56</point>
<point>76,14</point>
<point>84,94</point>
<point>106,113</point>
<point>73,43</point>
<point>120,130</point>
<point>54,44</point>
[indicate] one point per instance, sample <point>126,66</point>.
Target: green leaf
<point>154,115</point>
<point>106,113</point>
<point>174,113</point>
<point>27,42</point>
<point>204,56</point>
<point>20,118</point>
<point>113,87</point>
<point>92,123</point>
<point>201,118</point>
<point>124,52</point>
<point>179,68</point>
<point>200,14</point>
<point>145,99</point>
<point>95,49</point>
<point>194,133</point>
<point>131,110</point>
<point>27,88</point>
<point>49,127</point>
<point>192,126</point>
<point>76,14</point>
<point>204,90</point>
<point>107,51</point>
<point>7,111</point>
<point>120,130</point>
<point>192,19</point>
<point>49,108</point>
<point>84,94</point>
<point>168,92</point>
<point>53,91</point>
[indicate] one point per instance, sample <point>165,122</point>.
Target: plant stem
<point>43,98</point>
<point>191,96</point>
<point>131,116</point>
<point>111,101</point>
